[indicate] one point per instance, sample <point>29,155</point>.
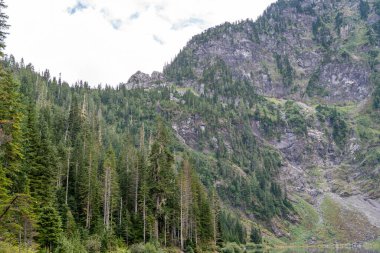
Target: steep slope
<point>296,49</point>
<point>304,80</point>
<point>325,56</point>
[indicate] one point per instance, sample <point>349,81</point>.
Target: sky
<point>106,41</point>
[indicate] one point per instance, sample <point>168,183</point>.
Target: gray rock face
<point>345,80</point>
<point>146,81</point>
<point>288,30</point>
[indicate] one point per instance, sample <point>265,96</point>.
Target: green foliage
<point>285,69</point>
<point>3,26</point>
<point>147,248</point>
<point>137,248</point>
<point>10,126</point>
<point>256,236</point>
<point>335,119</point>
<point>181,68</point>
<point>49,228</point>
<point>38,160</point>
<point>338,21</point>
<point>232,248</point>
<point>376,92</point>
<point>13,179</point>
<point>372,158</point>
<point>66,245</point>
<point>232,228</point>
<point>376,97</point>
<point>295,119</point>
<point>322,33</point>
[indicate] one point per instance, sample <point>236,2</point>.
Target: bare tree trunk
<point>136,186</point>
<point>156,219</point>
<point>107,197</point>
<point>25,235</point>
<point>76,177</point>
<point>59,183</point>
<point>121,211</point>
<point>214,215</point>
<point>100,128</point>
<point>156,229</point>
<point>19,241</point>
<point>67,125</point>
<point>67,176</point>
<point>181,214</point>
<point>126,203</point>
<point>196,236</point>
<point>88,208</point>
<point>144,218</point>
<point>165,230</point>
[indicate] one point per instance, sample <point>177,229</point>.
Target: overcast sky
<point>106,41</point>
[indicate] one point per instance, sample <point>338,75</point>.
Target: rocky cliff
<point>296,49</point>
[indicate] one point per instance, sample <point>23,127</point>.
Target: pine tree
<point>3,25</point>
<point>13,180</point>
<point>10,124</point>
<point>5,198</point>
<point>161,174</point>
<point>38,159</point>
<point>144,190</point>
<point>185,201</point>
<point>49,228</point>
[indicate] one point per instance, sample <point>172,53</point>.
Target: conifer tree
<point>3,25</point>
<point>10,125</point>
<point>161,175</point>
<point>49,228</point>
<point>38,159</point>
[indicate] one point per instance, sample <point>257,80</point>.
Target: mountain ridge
<point>310,51</point>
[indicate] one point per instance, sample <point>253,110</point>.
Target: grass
<point>183,90</point>
<point>355,40</point>
<point>315,177</point>
<point>366,128</point>
<point>303,232</point>
<point>374,245</point>
<point>276,101</point>
<point>331,228</point>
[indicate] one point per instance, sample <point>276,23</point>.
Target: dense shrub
<point>232,248</point>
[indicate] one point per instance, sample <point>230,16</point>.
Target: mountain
<point>295,50</point>
<point>316,64</point>
<point>258,128</point>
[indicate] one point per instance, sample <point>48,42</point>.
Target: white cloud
<point>158,39</point>
<point>106,41</point>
